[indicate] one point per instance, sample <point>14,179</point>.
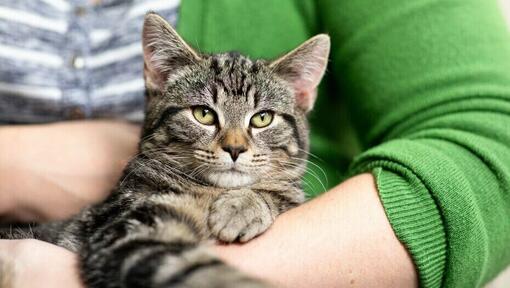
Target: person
<point>425,85</point>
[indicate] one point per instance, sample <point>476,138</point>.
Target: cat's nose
<point>234,151</point>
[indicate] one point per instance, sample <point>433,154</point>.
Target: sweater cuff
<point>414,216</point>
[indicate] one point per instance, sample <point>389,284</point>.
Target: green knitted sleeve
<point>428,85</point>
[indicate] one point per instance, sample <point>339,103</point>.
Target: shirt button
<point>76,113</point>
<point>78,62</point>
<point>80,11</point>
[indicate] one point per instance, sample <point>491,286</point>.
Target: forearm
<point>339,239</point>
<point>51,171</point>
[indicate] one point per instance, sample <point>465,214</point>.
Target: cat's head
<point>225,119</point>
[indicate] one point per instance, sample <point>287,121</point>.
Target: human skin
<point>33,263</point>
<point>51,171</point>
<point>341,238</point>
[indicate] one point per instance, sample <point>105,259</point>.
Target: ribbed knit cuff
<point>414,217</point>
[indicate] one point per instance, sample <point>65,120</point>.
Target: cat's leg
<point>155,243</point>
<point>61,233</point>
<point>241,214</point>
<point>18,231</point>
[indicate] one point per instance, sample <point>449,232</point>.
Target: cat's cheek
<point>281,136</point>
<point>293,149</point>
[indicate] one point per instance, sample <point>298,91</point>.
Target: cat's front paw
<point>239,215</point>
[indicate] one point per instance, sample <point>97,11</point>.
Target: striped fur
<point>184,188</point>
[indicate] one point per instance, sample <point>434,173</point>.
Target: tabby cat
<point>223,150</point>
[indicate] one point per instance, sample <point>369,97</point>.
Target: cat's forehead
<point>233,62</point>
<point>238,83</point>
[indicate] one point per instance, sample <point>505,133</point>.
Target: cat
<point>222,153</point>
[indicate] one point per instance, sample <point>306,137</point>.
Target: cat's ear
<point>164,51</point>
<point>303,68</point>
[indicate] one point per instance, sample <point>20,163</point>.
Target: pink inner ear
<point>305,99</point>
<point>153,70</point>
<point>305,88</point>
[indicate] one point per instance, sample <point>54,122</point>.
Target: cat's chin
<point>230,179</point>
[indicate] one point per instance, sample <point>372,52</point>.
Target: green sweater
<point>425,87</point>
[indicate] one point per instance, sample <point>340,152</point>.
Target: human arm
<point>341,238</point>
<point>428,89</point>
<point>53,170</point>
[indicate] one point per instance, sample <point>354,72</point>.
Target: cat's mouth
<point>231,178</point>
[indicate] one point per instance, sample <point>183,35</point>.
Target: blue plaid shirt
<point>72,60</point>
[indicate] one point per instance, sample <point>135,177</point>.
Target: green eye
<point>204,115</point>
<point>262,119</point>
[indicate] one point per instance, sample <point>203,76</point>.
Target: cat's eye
<point>261,119</point>
<point>204,115</point>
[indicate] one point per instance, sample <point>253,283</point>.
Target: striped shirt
<point>72,59</point>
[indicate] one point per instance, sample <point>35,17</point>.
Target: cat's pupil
<point>262,115</point>
<point>205,112</point>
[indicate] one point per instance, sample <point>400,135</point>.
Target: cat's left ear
<point>303,68</point>
<point>164,51</point>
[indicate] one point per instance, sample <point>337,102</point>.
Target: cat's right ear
<point>164,51</point>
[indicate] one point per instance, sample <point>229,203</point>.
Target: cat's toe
<point>240,230</point>
<point>252,230</point>
<point>230,231</point>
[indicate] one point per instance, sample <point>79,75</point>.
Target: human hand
<point>51,171</point>
<point>33,263</point>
